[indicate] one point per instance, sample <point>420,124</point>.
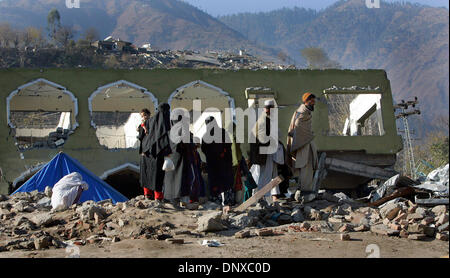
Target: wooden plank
<point>259,194</point>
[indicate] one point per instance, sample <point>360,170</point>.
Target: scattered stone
<point>422,211</point>
<point>305,226</point>
<point>264,232</point>
<point>383,230</point>
<point>442,236</point>
<point>390,210</point>
<point>412,209</point>
<point>48,191</point>
<point>401,216</point>
<point>43,219</point>
<point>442,219</point>
<point>438,210</point>
<point>175,240</point>
<point>242,234</point>
<point>415,216</point>
<point>427,220</point>
<point>242,221</point>
<point>140,205</point>
<point>417,237</point>
<point>345,228</point>
<point>416,228</point>
<point>362,228</point>
<point>394,226</point>
<point>403,234</point>
<point>211,222</point>
<point>122,222</point>
<point>443,227</point>
<point>42,242</point>
<point>345,237</point>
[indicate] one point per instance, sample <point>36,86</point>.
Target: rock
<point>42,242</point>
<point>403,234</point>
<point>264,232</point>
<point>443,227</point>
<point>438,210</point>
<point>442,219</point>
<point>430,231</point>
<point>362,228</point>
<point>427,220</point>
<point>45,202</point>
<point>297,215</point>
<point>422,211</point>
<point>22,206</point>
<point>442,236</point>
<point>383,230</point>
<point>415,216</point>
<point>122,222</point>
<point>345,237</point>
<point>48,191</point>
<point>175,240</point>
<point>242,234</point>
<point>211,222</point>
<point>401,216</point>
<point>329,197</point>
<point>243,221</point>
<point>412,209</point>
<point>340,211</point>
<point>386,222</point>
<point>305,226</point>
<point>311,213</point>
<point>416,228</point>
<point>43,219</point>
<point>394,226</point>
<point>417,237</point>
<point>390,211</point>
<point>140,205</point>
<point>345,228</point>
<point>87,211</point>
<point>284,219</point>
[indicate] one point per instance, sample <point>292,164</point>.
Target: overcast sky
<point>224,7</point>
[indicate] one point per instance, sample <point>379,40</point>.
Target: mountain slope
<point>411,42</point>
<point>167,24</point>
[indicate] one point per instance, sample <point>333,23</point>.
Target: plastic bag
<point>168,165</point>
<point>65,191</point>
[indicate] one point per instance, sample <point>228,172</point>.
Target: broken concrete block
<point>442,219</point>
<point>443,227</point>
<point>43,219</point>
<point>415,216</point>
<point>42,242</point>
<point>345,228</point>
<point>442,236</point>
<point>438,210</point>
<point>417,237</point>
<point>416,228</point>
<point>211,222</point>
<point>390,211</point>
<point>412,209</point>
<point>430,231</point>
<point>383,230</point>
<point>394,226</point>
<point>242,234</point>
<point>403,234</point>
<point>48,191</point>
<point>305,226</point>
<point>264,232</point>
<point>362,228</point>
<point>386,222</point>
<point>400,216</point>
<point>242,221</point>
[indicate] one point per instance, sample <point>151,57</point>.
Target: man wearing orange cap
<point>302,152</point>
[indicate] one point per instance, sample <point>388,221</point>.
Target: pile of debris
<point>29,223</point>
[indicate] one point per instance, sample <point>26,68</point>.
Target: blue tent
<point>62,165</point>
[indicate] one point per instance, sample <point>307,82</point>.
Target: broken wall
<point>290,85</point>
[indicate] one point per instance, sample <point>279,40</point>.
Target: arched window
<point>115,113</point>
<point>41,114</point>
<point>210,96</point>
<point>124,179</point>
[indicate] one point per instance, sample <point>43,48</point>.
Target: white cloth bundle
<point>65,190</point>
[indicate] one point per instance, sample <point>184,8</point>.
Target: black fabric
<point>219,161</point>
<point>255,156</point>
<point>144,160</point>
<point>156,145</point>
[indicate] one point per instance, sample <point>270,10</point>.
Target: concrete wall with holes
<point>84,146</point>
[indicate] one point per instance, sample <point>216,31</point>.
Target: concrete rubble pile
<point>29,223</point>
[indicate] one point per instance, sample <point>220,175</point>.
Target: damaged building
<point>92,115</point>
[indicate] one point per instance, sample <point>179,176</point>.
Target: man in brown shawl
<point>302,150</point>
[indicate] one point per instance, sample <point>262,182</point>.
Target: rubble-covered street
<point>330,226</point>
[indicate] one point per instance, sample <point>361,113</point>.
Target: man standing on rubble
<point>302,152</point>
<point>265,167</point>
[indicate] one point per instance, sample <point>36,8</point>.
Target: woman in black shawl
<point>156,146</point>
<point>219,163</point>
<point>185,181</point>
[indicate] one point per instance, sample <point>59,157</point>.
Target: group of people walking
<point>225,176</point>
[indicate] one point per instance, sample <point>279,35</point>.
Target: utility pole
<point>408,152</point>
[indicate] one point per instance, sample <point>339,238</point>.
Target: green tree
<point>53,23</point>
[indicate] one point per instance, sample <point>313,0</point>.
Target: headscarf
<point>159,130</point>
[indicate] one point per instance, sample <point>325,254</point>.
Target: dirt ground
<point>300,245</point>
